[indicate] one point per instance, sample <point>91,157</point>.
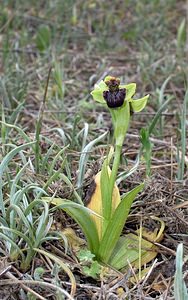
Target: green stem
<point>26,263</point>
<point>115,167</point>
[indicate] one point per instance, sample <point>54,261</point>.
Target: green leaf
<point>94,270</point>
<point>139,104</point>
<point>85,255</point>
<point>109,201</point>
<point>38,273</point>
<point>138,248</point>
<point>81,215</point>
<point>43,37</point>
<point>105,194</point>
<point>125,174</point>
<point>181,35</point>
<point>14,245</point>
<point>116,225</point>
<point>127,250</point>
<point>146,148</point>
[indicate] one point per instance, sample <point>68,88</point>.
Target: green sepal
<point>130,90</point>
<point>97,93</point>
<point>139,104</point>
<point>98,96</point>
<point>101,85</point>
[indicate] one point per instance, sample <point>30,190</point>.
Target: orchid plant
<point>118,98</point>
<point>103,217</point>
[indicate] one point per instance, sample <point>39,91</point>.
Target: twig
<point>35,282</point>
<point>27,289</point>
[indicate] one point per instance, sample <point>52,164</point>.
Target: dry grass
<point>136,40</point>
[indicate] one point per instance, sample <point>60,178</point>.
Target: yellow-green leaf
<point>115,226</point>
<point>127,248</point>
<point>74,241</point>
<point>96,204</point>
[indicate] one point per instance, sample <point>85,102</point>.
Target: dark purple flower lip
<point>114,99</point>
<point>115,96</point>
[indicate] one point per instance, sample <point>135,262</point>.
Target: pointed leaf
<point>43,37</point>
<point>95,204</point>
<point>158,115</point>
<point>126,251</point>
<point>116,224</point>
<point>123,175</point>
<point>82,215</point>
<point>109,204</point>
<point>104,187</point>
<point>181,36</point>
<point>127,248</point>
<point>99,200</point>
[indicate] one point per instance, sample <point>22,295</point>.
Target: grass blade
<point>62,265</point>
<point>158,114</point>
<point>4,165</point>
<point>181,165</point>
<point>84,158</point>
<point>123,175</point>
<point>180,290</point>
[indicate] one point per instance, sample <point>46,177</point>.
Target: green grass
<point>50,153</point>
<point>180,290</point>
